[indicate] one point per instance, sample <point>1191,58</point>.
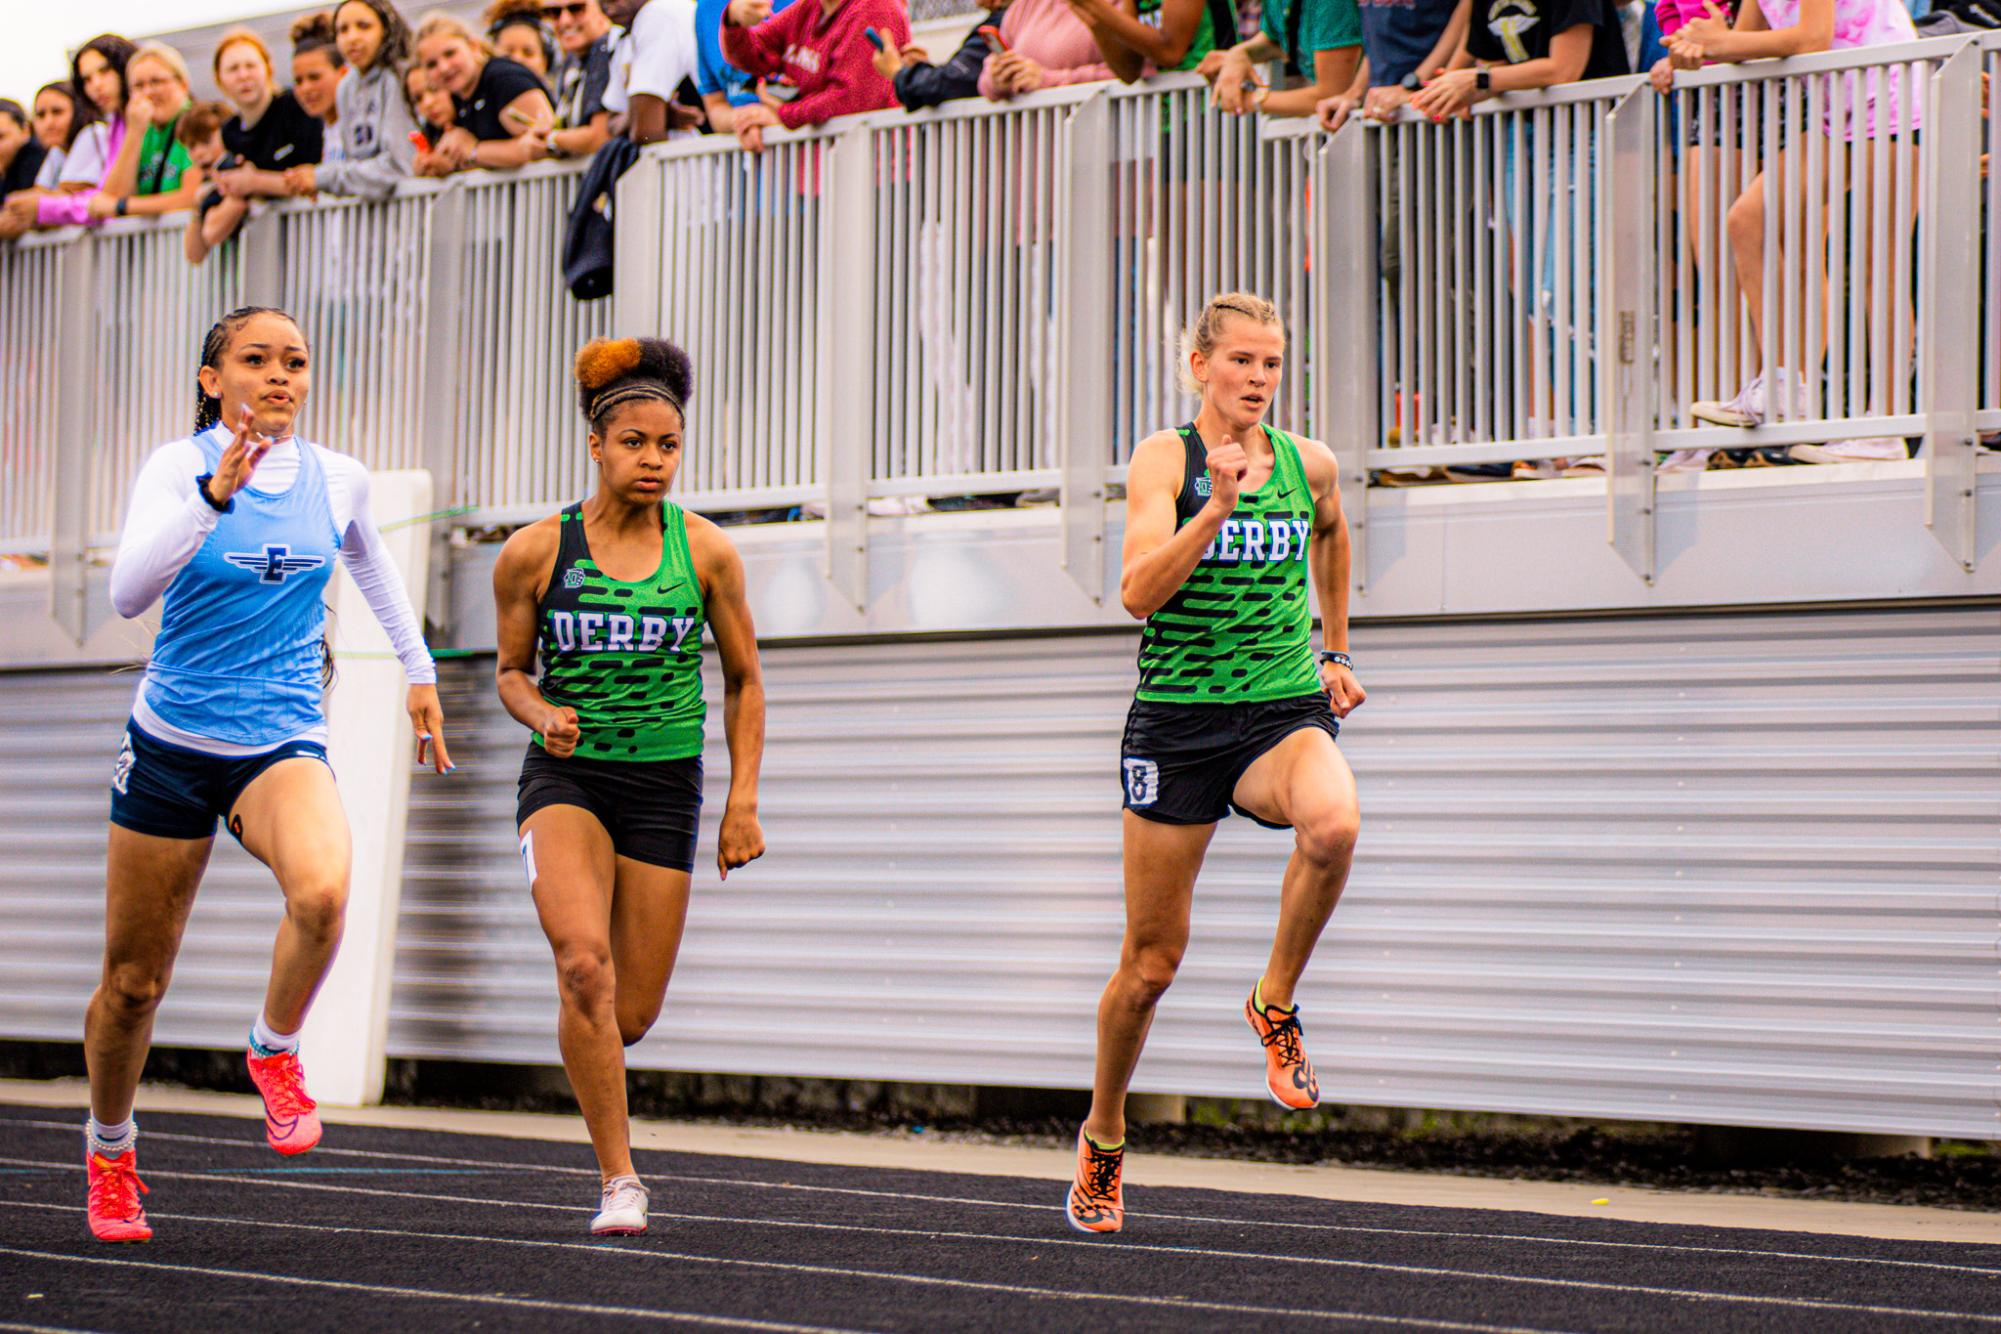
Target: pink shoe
<point>291,1118</point>
<point>113,1199</point>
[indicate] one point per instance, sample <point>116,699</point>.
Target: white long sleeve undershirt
<point>168,521</point>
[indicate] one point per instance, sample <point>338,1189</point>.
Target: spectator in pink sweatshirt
<point>817,46</point>
<point>1047,46</point>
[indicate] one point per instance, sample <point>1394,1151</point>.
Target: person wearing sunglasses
<point>586,37</point>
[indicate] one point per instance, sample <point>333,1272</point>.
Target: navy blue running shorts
<point>1180,763</point>
<point>169,791</point>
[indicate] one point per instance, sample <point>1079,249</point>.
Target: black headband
<point>633,391</point>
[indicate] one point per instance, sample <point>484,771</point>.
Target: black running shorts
<point>1179,763</point>
<point>651,808</point>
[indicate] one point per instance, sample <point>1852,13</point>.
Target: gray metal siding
<point>1717,868</point>
<point>59,735</point>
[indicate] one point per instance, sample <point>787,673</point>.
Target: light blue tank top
<point>238,655</point>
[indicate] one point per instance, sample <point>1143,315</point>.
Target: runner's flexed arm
<point>518,579</point>
<point>1157,559</point>
<point>1328,557</point>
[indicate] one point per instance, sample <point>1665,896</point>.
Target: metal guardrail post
<point>1949,322</point>
<point>77,323</point>
<point>1346,294</point>
<point>638,234</point>
<point>846,408</point>
<point>439,411</point>
<point>1628,204</point>
<point>1084,222</point>
<point>262,259</point>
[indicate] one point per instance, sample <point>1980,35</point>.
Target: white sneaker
<point>1751,406</point>
<point>622,1212</point>
<point>1591,466</point>
<point>1685,460</point>
<point>1866,450</point>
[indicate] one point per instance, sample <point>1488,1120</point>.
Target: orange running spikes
<point>1288,1074</point>
<point>113,1199</point>
<point>1097,1202</point>
<point>291,1119</point>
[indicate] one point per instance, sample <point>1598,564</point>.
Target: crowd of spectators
<point>373,99</point>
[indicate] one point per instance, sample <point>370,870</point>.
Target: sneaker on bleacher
<point>1870,449</point>
<point>1752,405</point>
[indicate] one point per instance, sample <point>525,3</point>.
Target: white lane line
<point>12,1328</point>
<point>1371,1266</point>
<point>1352,1228</point>
<point>422,1294</point>
<point>926,1280</point>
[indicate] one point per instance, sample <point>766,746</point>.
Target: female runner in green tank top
<point>1225,519</point>
<point>611,596</point>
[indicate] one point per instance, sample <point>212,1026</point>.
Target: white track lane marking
<point>928,1280</point>
<point>1355,1228</point>
<point>1372,1266</point>
<point>11,1328</point>
<point>423,1294</point>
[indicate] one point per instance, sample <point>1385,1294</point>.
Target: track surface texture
<point>398,1229</point>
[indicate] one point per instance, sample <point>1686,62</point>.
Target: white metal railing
<point>985,297</point>
<point>1990,228</point>
<point>30,287</point>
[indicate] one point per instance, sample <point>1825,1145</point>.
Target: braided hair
<point>208,411</point>
<point>612,372</point>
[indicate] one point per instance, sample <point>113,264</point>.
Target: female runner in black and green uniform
<point>611,595</point>
<point>1224,519</point>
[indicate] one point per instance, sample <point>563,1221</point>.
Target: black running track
<point>408,1230</point>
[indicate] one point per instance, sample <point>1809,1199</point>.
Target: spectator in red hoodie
<point>818,45</point>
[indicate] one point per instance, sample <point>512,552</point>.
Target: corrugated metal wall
<point>59,734</point>
<point>1720,868</point>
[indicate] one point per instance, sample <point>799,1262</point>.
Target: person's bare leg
<point>150,889</point>
<point>1161,862</point>
<point>1746,225</point>
<point>1304,782</point>
<point>649,908</point>
<point>575,872</point>
<point>290,818</point>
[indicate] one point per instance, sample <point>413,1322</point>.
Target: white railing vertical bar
<point>1950,266</point>
<point>1840,231</point>
<point>76,449</point>
<point>1988,143</point>
<point>1819,196</point>
<point>1906,94</point>
<point>846,417</point>
<point>1628,156</point>
<point>1082,201</point>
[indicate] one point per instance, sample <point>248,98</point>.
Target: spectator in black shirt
<point>1524,44</point>
<point>583,122</point>
<point>920,84</point>
<point>503,110</point>
<point>270,131</point>
<point>21,155</point>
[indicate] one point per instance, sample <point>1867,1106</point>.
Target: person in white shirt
<point>657,52</point>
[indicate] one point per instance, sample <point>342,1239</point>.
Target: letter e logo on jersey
<point>275,563</point>
<point>1142,782</point>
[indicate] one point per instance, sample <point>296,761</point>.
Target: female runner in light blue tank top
<point>236,529</point>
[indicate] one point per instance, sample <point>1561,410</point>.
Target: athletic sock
<point>110,1141</point>
<point>265,1042</point>
<point>1258,999</point>
<point>1104,1148</point>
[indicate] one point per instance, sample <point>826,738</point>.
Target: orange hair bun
<point>603,360</point>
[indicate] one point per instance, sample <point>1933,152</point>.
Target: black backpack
<point>587,242</point>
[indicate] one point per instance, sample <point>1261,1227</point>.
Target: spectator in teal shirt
<point>1320,42</point>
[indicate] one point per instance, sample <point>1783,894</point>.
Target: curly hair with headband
<point>612,372</point>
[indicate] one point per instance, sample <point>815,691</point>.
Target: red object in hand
<point>419,142</point>
<point>995,41</point>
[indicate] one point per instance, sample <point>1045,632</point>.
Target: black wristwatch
<point>1483,79</point>
<point>119,208</point>
<point>1338,658</point>
<point>201,489</point>
<point>1411,83</point>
